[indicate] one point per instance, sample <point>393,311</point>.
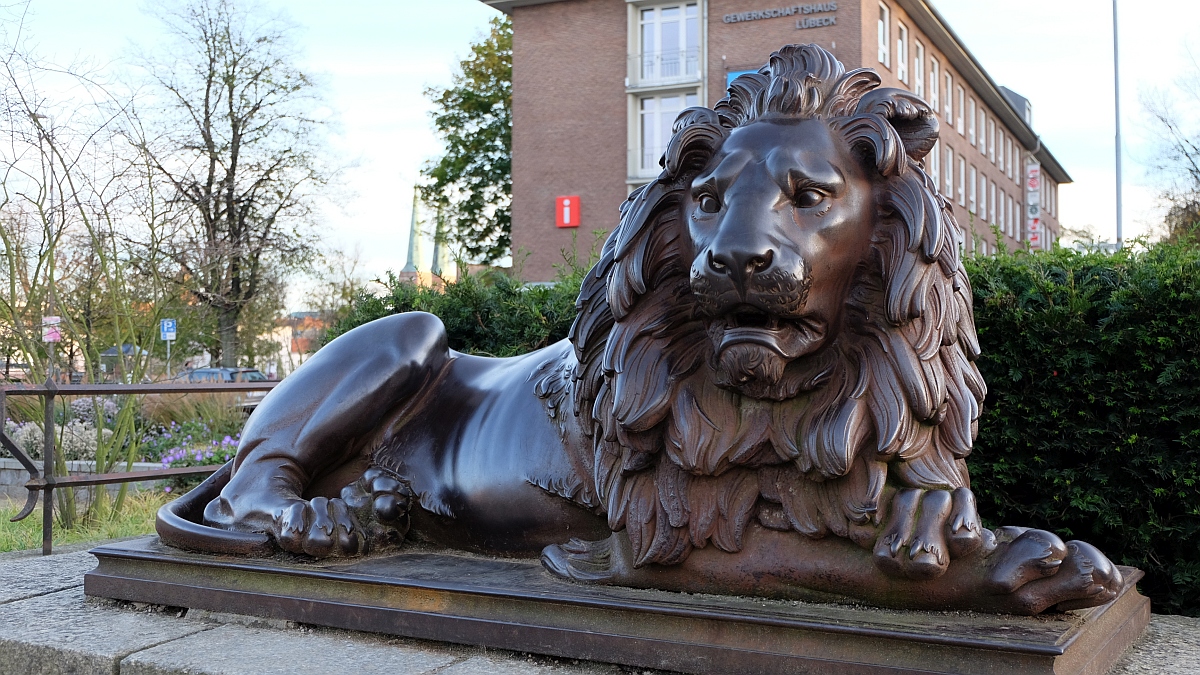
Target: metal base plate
<point>515,604</point>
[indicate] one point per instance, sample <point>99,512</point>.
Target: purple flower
<point>167,489</point>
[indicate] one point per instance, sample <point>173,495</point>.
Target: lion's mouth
<point>789,337</point>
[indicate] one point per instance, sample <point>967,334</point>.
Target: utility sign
<point>50,330</point>
<point>167,329</point>
<point>567,211</point>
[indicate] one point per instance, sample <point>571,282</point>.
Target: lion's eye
<point>709,204</point>
<point>809,198</point>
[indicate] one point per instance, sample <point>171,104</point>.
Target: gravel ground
<point>1170,646</point>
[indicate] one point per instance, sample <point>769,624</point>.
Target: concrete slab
<point>1170,646</point>
<point>61,633</point>
<point>520,664</point>
<point>239,650</point>
<point>29,577</point>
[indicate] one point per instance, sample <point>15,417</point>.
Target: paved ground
<point>47,626</point>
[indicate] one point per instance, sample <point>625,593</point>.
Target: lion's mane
<point>679,462</point>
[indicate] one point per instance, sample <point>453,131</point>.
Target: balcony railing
<point>668,67</point>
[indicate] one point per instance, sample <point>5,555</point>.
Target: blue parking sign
<point>167,328</point>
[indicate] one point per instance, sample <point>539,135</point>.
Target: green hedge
<point>1091,427</point>
<point>490,314</point>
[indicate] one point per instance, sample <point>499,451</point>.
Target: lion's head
<point>781,323</point>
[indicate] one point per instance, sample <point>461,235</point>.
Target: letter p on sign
<point>566,211</point>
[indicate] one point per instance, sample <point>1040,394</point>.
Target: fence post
<point>48,471</point>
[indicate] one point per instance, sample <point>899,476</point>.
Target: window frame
<point>960,94</point>
<point>884,31</point>
<point>948,92</point>
<point>918,68</point>
<point>948,179</point>
<point>902,52</point>
<point>972,137</point>
<point>935,72</point>
<point>934,162</point>
<point>991,139</point>
<point>690,56</point>
<point>641,171</point>
<point>962,172</point>
<point>973,193</point>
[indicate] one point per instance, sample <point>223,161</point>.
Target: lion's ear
<point>909,115</point>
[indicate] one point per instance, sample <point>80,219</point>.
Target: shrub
<point>490,314</point>
<point>1091,427</point>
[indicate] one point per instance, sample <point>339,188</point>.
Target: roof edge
<point>507,6</point>
<point>933,24</point>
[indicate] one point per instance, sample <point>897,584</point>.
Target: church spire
<point>415,251</point>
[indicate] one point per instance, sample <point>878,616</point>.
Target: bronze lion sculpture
<point>769,390</point>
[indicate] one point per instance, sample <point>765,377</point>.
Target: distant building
<point>597,83</point>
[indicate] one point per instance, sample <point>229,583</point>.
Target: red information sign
<point>566,211</point>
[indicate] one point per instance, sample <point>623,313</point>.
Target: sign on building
<point>567,211</point>
<point>1034,232</point>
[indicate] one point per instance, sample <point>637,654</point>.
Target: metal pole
<point>168,359</point>
<point>1117,107</point>
<point>48,472</point>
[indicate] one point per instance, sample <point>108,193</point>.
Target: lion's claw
<point>319,528</point>
<point>1029,555</point>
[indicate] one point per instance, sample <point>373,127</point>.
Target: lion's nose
<point>740,263</point>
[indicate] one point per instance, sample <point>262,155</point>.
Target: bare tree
<point>236,140</point>
<point>1173,114</point>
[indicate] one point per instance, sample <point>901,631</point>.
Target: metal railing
<point>46,482</point>
<point>653,68</point>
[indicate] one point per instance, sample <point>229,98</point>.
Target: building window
<point>962,171</point>
<point>991,140</point>
<point>973,198</point>
<point>934,160</point>
<point>949,179</point>
<point>1012,217</point>
<point>670,43</point>
<point>1003,154</point>
<point>918,68</point>
<point>959,95</point>
<point>971,121</point>
<point>902,53</point>
<point>885,35</point>
<point>946,92</point>
<point>991,199</point>
<point>656,114</point>
<point>934,102</point>
<point>1014,163</point>
<point>982,125</point>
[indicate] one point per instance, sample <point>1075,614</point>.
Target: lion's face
<point>780,219</point>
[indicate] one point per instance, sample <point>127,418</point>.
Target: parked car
<point>247,400</point>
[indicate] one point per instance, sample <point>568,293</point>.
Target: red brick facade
<point>576,94</point>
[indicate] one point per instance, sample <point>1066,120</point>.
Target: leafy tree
<point>237,146</point>
<point>471,185</point>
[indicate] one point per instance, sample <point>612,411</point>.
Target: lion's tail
<point>180,523</point>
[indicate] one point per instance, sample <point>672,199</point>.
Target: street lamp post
<point>1117,107</point>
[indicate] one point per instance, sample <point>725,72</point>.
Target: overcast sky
<point>374,58</point>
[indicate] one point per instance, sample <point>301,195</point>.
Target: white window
<point>982,125</point>
<point>1012,217</point>
<point>991,140</point>
<point>1003,154</point>
<point>1014,163</point>
<point>962,171</point>
<point>934,85</point>
<point>949,182</point>
<point>934,161</point>
<point>1001,214</point>
<point>991,202</point>
<point>946,92</point>
<point>670,43</point>
<point>919,69</point>
<point>902,53</point>
<point>973,198</point>
<point>959,94</point>
<point>656,114</point>
<point>971,120</point>
<point>885,35</point>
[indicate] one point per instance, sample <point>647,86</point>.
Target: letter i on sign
<point>567,211</point>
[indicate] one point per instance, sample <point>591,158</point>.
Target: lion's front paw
<point>926,530</point>
<point>579,560</point>
<point>319,528</point>
<point>1082,577</point>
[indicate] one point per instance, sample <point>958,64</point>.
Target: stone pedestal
<point>514,604</point>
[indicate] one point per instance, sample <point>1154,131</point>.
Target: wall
<point>569,126</point>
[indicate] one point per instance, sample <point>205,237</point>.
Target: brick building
<point>597,83</point>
